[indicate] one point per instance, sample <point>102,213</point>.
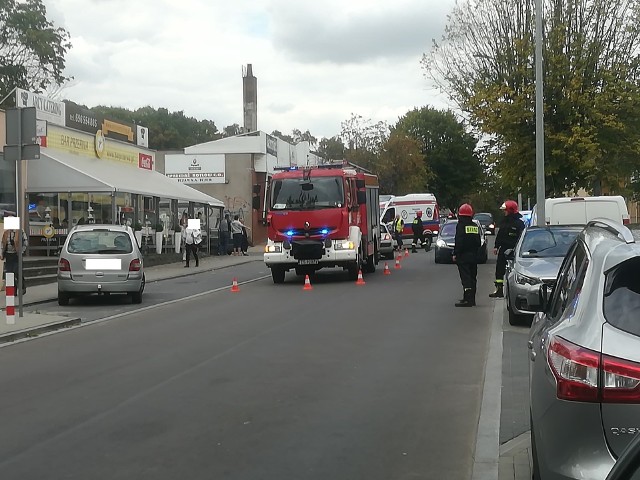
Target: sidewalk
<point>34,323</point>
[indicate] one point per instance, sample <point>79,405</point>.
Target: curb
<point>35,331</point>
<point>486,457</point>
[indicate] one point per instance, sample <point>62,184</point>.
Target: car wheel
<point>515,319</point>
<point>277,274</point>
<point>427,243</point>
<point>63,299</point>
<point>136,297</point>
<point>370,266</point>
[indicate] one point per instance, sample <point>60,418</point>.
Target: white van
<point>406,206</point>
<point>580,210</point>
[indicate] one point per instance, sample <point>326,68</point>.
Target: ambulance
<point>407,206</point>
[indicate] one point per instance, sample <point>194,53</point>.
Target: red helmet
<point>419,213</point>
<point>465,210</point>
<point>510,206</point>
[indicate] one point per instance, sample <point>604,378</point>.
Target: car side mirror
<point>544,295</point>
<point>509,254</point>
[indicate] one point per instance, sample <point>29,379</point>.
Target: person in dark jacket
<point>418,231</point>
<point>465,254</point>
<point>509,232</point>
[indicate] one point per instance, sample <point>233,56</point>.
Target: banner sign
<point>195,169</point>
<point>46,109</point>
<point>272,145</point>
<point>85,120</point>
<point>88,145</point>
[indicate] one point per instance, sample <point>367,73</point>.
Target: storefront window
<point>47,208</point>
<point>100,208</point>
<point>166,214</point>
<point>124,209</point>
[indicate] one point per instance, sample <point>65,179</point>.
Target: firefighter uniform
<point>509,232</point>
<point>465,252</point>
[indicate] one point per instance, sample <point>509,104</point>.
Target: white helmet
<point>503,206</point>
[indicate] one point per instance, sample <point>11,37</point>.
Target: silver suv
<point>584,368</point>
<point>100,259</point>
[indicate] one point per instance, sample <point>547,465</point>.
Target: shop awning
<point>57,171</point>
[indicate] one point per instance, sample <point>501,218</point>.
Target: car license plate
<point>308,261</point>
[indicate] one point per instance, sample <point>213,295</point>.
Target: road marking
<point>131,312</point>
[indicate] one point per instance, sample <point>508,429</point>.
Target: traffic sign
<point>21,126</point>
<point>18,152</point>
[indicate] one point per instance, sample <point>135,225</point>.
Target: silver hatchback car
<point>535,261</point>
<point>100,259</point>
<point>584,368</point>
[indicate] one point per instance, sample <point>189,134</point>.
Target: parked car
<point>486,220</point>
<point>388,244</point>
<point>534,261</point>
<point>446,241</point>
<point>526,217</point>
<point>100,259</point>
<point>584,367</point>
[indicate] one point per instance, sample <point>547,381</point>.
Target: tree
<point>331,148</point>
<point>591,55</point>
<point>282,136</point>
<point>299,136</point>
<point>400,166</point>
<point>32,49</point>
<point>231,130</point>
<point>448,151</point>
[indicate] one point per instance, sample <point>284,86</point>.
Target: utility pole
<point>540,187</point>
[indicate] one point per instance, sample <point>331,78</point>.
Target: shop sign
<point>96,145</point>
<point>85,120</point>
<point>47,109</point>
<point>145,161</point>
<point>195,169</point>
<point>272,145</point>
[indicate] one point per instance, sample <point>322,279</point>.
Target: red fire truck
<point>322,216</point>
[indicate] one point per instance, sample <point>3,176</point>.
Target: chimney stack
<point>249,99</point>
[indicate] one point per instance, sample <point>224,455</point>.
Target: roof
<point>57,171</point>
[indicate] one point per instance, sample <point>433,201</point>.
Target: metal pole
<point>20,211</point>
<point>540,187</point>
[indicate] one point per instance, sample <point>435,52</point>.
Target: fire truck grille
<point>307,249</point>
<point>301,232</point>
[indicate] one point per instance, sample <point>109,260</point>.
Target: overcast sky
<point>316,62</point>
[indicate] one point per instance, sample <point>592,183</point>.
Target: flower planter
<point>177,240</point>
<point>159,238</point>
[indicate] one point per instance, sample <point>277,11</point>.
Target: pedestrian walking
<point>509,231</point>
<point>465,254</point>
<point>192,239</point>
<point>225,235</point>
<point>418,231</point>
<point>398,228</point>
<point>236,231</point>
<point>12,242</point>
<point>245,242</point>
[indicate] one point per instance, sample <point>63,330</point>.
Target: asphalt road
<point>381,381</point>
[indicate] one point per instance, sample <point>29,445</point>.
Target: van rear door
<point>604,208</point>
<point>568,212</point>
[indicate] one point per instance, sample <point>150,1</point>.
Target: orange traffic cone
<point>235,288</point>
<point>307,283</point>
<point>360,280</point>
<point>406,252</point>
<point>398,262</point>
<point>386,269</point>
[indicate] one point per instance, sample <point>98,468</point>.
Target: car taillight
<point>583,375</point>
<point>576,370</point>
<point>64,265</point>
<point>620,380</point>
<point>386,236</point>
<point>135,265</point>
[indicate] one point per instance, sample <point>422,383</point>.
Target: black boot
<point>468,300</point>
<point>499,293</point>
<point>472,297</point>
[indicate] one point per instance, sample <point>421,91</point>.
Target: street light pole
<point>540,187</point>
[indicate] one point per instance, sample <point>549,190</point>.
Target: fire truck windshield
<point>299,194</point>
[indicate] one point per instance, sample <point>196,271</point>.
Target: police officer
<point>418,231</point>
<point>509,232</point>
<point>465,254</point>
<point>398,228</point>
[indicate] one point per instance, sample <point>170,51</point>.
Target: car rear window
<point>552,242</point>
<point>100,241</point>
<point>622,297</point>
<point>449,229</point>
<point>483,217</point>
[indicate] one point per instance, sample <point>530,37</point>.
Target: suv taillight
<point>576,370</point>
<point>135,265</point>
<point>583,375</point>
<point>64,265</point>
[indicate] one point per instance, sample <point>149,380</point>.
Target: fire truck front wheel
<point>278,273</point>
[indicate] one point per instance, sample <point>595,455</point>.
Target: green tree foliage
<point>400,167</point>
<point>331,148</point>
<point>167,130</point>
<point>231,130</point>
<point>448,151</point>
<point>282,136</point>
<point>363,140</point>
<point>32,49</point>
<point>591,90</point>
<point>299,136</point>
